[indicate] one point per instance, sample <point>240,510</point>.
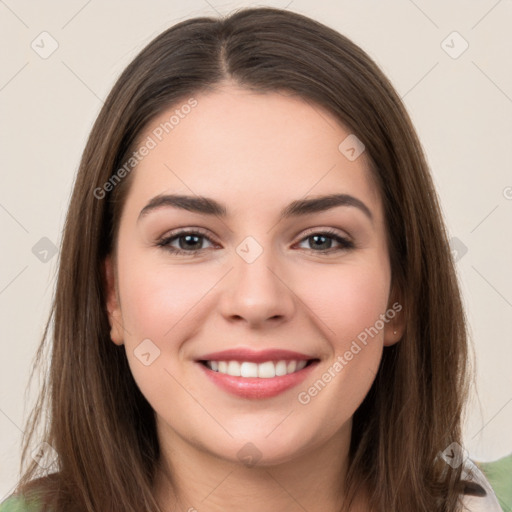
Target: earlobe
<point>392,336</point>
<point>395,316</point>
<point>112,302</point>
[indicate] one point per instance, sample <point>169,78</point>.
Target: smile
<point>256,374</point>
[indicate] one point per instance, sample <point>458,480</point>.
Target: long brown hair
<point>99,423</point>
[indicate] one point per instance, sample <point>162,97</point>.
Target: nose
<point>257,293</point>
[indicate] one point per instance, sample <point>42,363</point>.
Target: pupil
<point>317,237</point>
<point>189,239</point>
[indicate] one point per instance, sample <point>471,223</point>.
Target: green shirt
<point>18,504</point>
<point>499,474</point>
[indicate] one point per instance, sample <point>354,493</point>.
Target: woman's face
<point>269,267</point>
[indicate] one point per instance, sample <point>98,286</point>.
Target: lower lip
<point>254,387</point>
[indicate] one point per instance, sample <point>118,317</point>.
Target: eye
<point>322,241</point>
<point>189,242</point>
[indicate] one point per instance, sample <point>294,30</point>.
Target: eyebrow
<point>209,206</point>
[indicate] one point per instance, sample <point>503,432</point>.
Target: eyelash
<point>165,242</point>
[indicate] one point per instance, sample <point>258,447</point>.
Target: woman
<point>256,305</point>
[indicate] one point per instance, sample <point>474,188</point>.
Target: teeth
<point>233,368</point>
<point>280,368</point>
<point>247,369</point>
<point>264,370</point>
<point>300,365</point>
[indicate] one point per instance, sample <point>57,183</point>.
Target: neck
<point>191,479</point>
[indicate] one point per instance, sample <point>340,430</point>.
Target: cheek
<point>350,303</point>
<point>348,299</point>
<point>161,303</point>
<point>158,300</point>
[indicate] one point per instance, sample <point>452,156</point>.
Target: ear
<point>395,315</point>
<point>115,316</point>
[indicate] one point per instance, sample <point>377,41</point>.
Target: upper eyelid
<point>187,231</point>
<point>330,231</point>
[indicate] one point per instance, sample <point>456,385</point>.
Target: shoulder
<point>18,504</point>
<point>499,474</point>
<point>480,496</point>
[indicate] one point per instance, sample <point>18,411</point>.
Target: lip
<point>255,387</point>
<point>254,356</point>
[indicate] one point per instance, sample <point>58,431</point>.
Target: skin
<point>255,153</point>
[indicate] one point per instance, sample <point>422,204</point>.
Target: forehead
<point>251,148</point>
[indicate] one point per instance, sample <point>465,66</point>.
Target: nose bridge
<point>256,291</point>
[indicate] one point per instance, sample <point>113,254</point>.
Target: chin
<point>265,447</point>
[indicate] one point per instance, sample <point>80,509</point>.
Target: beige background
<point>462,109</point>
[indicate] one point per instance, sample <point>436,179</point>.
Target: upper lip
<point>255,356</point>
